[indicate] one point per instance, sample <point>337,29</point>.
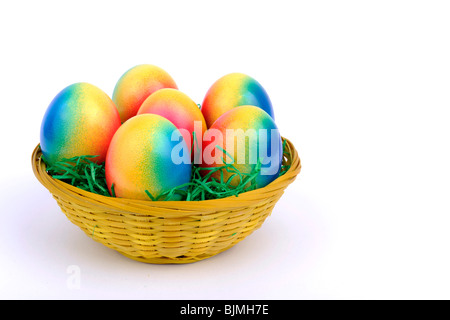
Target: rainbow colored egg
<point>144,161</point>
<point>136,84</point>
<point>181,110</point>
<point>250,138</point>
<point>81,120</point>
<point>234,90</point>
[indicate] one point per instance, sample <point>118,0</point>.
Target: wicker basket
<point>164,232</point>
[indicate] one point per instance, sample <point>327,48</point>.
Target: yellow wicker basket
<point>164,232</point>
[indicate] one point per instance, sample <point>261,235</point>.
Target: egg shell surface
<point>136,84</point>
<point>233,90</point>
<point>140,158</point>
<point>180,109</point>
<point>81,120</point>
<point>246,133</point>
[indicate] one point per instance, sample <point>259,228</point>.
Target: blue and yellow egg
<point>81,120</point>
<point>142,158</point>
<point>250,138</point>
<point>234,90</point>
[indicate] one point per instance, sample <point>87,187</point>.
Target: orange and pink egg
<point>136,84</point>
<point>180,109</point>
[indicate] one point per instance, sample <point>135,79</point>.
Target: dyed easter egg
<point>248,135</point>
<point>177,107</point>
<point>136,84</point>
<point>143,156</point>
<point>233,90</point>
<point>81,120</point>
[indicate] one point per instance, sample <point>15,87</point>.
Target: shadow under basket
<point>165,232</point>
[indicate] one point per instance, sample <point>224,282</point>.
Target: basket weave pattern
<point>166,232</point>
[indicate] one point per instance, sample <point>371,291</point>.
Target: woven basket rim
<point>180,208</point>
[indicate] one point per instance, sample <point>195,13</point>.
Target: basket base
<point>165,260</point>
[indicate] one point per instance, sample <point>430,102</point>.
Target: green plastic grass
<point>206,187</point>
<point>85,174</point>
<point>82,173</point>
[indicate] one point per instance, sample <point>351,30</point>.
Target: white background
<point>362,88</point>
